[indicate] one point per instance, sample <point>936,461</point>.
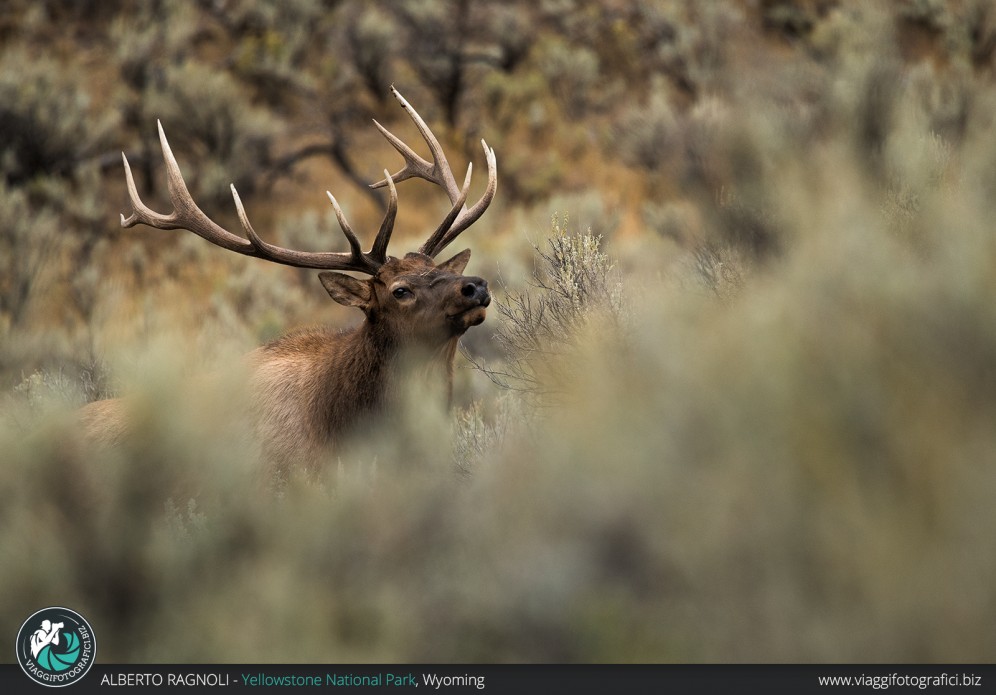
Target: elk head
<point>409,300</point>
<point>418,303</point>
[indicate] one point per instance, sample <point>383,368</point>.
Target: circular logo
<point>56,647</point>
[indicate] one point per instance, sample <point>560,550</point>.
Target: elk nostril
<point>469,290</point>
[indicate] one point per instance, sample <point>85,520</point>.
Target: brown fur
<point>104,422</point>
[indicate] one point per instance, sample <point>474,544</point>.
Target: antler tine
<point>187,215</point>
<point>139,211</point>
<point>379,249</point>
<point>432,246</point>
<point>469,217</point>
<point>415,166</point>
<point>354,243</point>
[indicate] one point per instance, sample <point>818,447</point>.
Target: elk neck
<point>366,370</point>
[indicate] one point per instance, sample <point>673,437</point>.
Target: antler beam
<point>188,216</point>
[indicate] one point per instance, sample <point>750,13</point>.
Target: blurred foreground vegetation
<point>734,403</point>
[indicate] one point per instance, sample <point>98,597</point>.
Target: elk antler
<point>186,215</point>
<point>439,172</point>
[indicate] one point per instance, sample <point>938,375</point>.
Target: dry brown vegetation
<point>742,387</point>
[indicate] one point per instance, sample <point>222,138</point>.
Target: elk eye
<point>401,292</point>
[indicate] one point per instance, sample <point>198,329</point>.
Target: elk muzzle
<point>476,289</point>
<point>475,298</point>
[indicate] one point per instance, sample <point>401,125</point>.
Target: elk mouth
<point>473,316</point>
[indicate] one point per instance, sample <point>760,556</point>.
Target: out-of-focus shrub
<point>27,238</point>
<point>49,123</point>
<point>208,116</point>
<point>572,285</point>
<point>572,73</point>
<point>371,34</point>
<point>273,45</point>
<point>647,135</point>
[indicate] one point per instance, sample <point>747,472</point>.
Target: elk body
<point>312,387</point>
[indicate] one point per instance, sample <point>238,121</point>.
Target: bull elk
<point>313,386</point>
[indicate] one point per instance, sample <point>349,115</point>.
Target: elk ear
<point>456,264</point>
<point>346,289</point>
